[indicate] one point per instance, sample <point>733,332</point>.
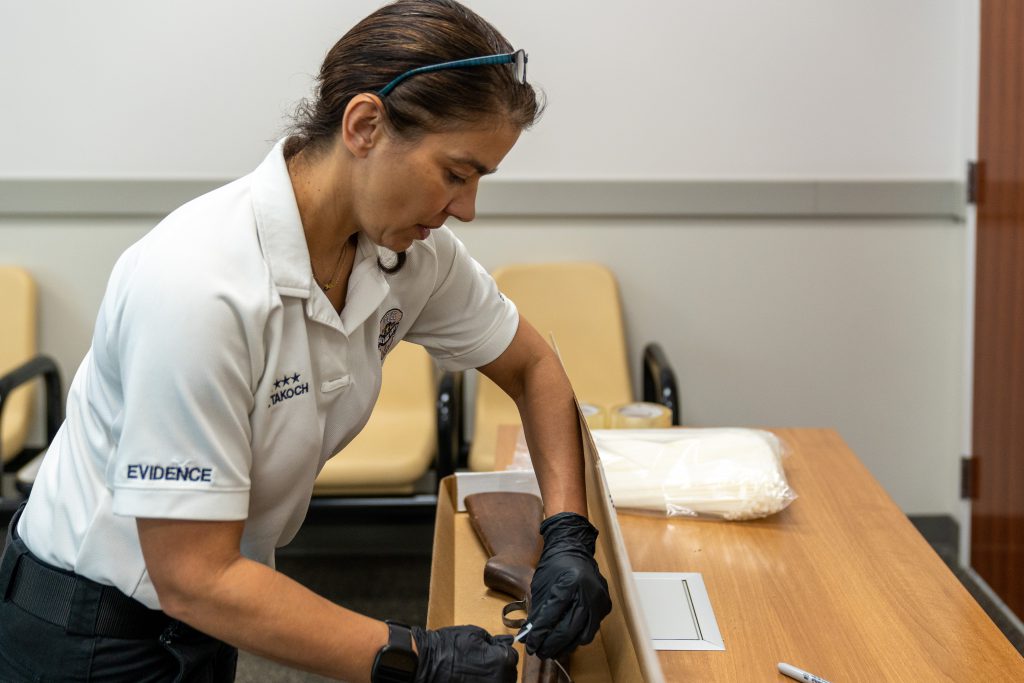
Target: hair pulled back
<point>405,35</point>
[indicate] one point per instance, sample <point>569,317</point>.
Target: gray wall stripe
<point>683,198</point>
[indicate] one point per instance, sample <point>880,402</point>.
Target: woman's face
<point>411,187</point>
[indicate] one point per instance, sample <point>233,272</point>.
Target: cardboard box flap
<point>630,652</point>
<point>630,649</point>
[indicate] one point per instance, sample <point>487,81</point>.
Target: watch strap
<point>399,635</point>
<point>396,662</point>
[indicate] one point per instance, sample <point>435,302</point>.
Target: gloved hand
<point>569,597</point>
<point>464,654</point>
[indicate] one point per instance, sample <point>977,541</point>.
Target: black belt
<point>77,604</point>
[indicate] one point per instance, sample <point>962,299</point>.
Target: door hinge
<point>968,478</point>
<point>972,182</point>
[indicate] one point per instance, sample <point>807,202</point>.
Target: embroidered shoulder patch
<point>388,327</point>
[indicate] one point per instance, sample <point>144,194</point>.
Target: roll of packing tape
<point>640,416</point>
<point>596,416</point>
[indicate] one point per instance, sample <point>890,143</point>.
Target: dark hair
<point>405,35</point>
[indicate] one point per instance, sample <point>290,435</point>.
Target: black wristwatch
<point>396,662</point>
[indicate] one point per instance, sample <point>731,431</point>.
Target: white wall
<point>857,324</point>
<point>971,77</point>
<point>640,89</point>
<point>791,323</point>
<point>847,324</point>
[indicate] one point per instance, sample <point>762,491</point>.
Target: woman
<point>239,345</point>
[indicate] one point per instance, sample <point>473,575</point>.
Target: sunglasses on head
<point>518,59</point>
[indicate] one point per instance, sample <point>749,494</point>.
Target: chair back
<point>18,344</point>
<point>398,444</point>
<point>579,304</point>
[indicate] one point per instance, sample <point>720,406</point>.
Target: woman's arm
<point>568,595</point>
<point>202,579</point>
<point>531,374</point>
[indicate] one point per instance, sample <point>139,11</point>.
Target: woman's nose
<point>463,204</point>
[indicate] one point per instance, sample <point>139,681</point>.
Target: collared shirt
<point>220,378</point>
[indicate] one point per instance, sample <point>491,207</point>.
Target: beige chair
<point>20,364</point>
<point>396,449</point>
<point>18,304</point>
<point>579,304</point>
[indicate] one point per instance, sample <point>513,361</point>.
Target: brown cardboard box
<point>621,652</point>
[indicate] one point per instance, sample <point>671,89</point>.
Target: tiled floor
<point>392,587</point>
<point>379,570</point>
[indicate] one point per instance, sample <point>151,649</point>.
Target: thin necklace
<point>337,270</point>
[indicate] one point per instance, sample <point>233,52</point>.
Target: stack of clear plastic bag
<point>731,474</point>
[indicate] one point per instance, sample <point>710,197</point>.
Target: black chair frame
<point>659,381</point>
<point>38,367</point>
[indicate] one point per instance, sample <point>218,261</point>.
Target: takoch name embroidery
<point>291,388</point>
<point>170,473</point>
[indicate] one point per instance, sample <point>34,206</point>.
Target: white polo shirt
<point>220,378</point>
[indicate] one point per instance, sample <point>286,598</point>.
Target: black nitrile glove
<point>569,597</point>
<point>464,654</point>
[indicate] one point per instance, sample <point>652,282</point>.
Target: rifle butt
<point>507,525</point>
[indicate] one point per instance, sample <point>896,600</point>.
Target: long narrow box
<point>622,651</point>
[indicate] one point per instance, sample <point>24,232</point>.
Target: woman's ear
<point>362,124</point>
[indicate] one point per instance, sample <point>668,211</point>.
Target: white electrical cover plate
<point>678,611</point>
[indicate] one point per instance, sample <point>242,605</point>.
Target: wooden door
<point>997,512</point>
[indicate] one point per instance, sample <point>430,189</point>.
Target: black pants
<point>34,649</point>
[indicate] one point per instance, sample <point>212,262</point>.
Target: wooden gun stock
<point>507,525</point>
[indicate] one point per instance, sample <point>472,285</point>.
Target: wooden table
<point>840,583</point>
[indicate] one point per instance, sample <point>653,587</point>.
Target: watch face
<point>400,660</point>
<point>394,665</point>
